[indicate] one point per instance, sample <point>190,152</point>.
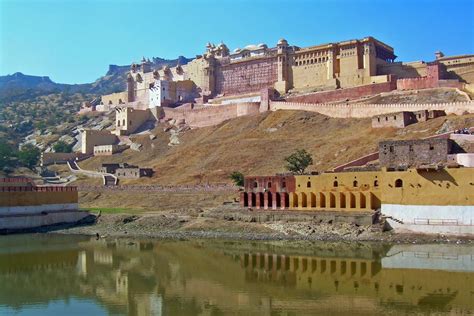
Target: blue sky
<point>75,41</point>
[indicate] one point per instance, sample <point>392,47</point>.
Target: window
<point>391,149</point>
<point>395,117</point>
<point>269,184</point>
<point>378,119</point>
<point>410,147</point>
<point>308,184</point>
<point>335,184</point>
<point>431,147</point>
<point>355,184</point>
<point>386,118</point>
<point>283,184</point>
<point>376,183</point>
<point>255,184</point>
<point>398,183</point>
<point>130,123</point>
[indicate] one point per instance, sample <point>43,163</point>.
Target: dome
<point>237,50</point>
<point>262,45</point>
<point>250,47</point>
<point>282,41</point>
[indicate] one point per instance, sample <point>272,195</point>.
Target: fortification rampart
<point>360,110</point>
<point>212,115</point>
<point>344,94</point>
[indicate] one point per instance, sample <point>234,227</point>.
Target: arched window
<point>255,184</point>
<point>118,123</point>
<point>376,183</point>
<point>308,185</point>
<point>355,183</point>
<point>398,183</point>
<point>110,102</point>
<point>123,122</point>
<point>283,184</point>
<point>269,184</point>
<point>335,184</point>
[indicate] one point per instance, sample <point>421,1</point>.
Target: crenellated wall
<point>368,110</point>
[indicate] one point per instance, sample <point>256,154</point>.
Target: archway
<point>322,200</point>
<point>261,200</point>
<point>332,200</point>
<point>312,199</point>
<point>278,200</point>
<point>294,199</point>
<point>245,196</point>
<point>342,200</point>
<point>304,202</point>
<point>363,203</point>
<point>270,200</point>
<point>352,200</point>
<point>254,199</point>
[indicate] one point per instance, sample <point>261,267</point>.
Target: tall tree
<point>298,161</point>
<point>29,156</point>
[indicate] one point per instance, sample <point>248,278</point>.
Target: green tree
<point>298,161</point>
<point>29,156</point>
<point>238,178</point>
<point>7,155</point>
<point>62,147</point>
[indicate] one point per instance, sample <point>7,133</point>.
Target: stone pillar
<point>283,198</point>
<point>258,200</point>
<point>265,200</point>
<point>249,199</point>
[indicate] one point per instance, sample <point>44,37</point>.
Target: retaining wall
<point>361,110</point>
<point>344,94</point>
<point>212,115</point>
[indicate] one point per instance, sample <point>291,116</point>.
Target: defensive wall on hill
<point>212,115</point>
<point>348,93</point>
<point>368,110</point>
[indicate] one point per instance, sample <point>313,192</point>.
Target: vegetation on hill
<point>257,145</point>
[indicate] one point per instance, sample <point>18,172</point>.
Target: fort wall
<point>248,76</point>
<point>345,94</point>
<point>212,115</point>
<point>361,110</point>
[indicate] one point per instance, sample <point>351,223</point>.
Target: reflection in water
<point>79,275</point>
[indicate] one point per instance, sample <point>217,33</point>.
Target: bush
<point>238,178</point>
<point>62,147</point>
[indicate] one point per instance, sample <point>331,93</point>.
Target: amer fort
<point>420,185</point>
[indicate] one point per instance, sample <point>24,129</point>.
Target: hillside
<point>257,145</point>
<point>36,103</point>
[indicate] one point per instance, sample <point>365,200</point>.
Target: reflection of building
<point>202,278</point>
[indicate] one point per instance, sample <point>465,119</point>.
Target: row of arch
<point>320,200</point>
<point>341,267</point>
<point>335,200</point>
<point>266,200</point>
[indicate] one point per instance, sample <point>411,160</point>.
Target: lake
<point>77,275</point>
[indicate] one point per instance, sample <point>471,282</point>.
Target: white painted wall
<point>431,219</point>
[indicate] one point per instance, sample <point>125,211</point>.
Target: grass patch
<point>114,210</point>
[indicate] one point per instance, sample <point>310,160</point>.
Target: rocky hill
<point>257,145</point>
<point>33,103</point>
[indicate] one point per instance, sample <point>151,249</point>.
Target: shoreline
<point>232,223</point>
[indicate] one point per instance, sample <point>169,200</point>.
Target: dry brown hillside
<point>257,145</point>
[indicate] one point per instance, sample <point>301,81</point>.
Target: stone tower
<point>282,85</point>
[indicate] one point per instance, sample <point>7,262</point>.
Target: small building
<point>128,119</point>
<point>412,153</point>
<point>124,170</point>
<point>92,138</point>
<point>404,118</point>
<point>107,150</point>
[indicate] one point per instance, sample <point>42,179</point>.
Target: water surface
<point>68,275</point>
